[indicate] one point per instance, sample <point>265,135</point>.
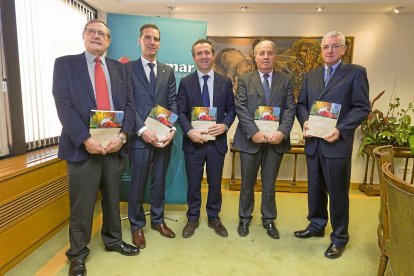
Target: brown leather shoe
<point>190,228</point>
<point>218,227</point>
<point>138,238</point>
<point>163,229</point>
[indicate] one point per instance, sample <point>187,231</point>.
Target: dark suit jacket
<point>74,98</point>
<point>165,94</point>
<point>250,96</point>
<point>189,96</point>
<point>349,87</point>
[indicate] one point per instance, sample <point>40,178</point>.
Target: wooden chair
<point>400,203</point>
<point>383,155</point>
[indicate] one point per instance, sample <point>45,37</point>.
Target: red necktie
<point>101,89</point>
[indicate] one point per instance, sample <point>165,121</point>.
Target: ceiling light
<point>319,9</point>
<point>243,9</point>
<point>397,10</point>
<point>171,9</point>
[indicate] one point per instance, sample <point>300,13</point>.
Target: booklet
<point>322,118</point>
<point>161,120</point>
<point>202,118</point>
<point>105,125</point>
<point>267,119</point>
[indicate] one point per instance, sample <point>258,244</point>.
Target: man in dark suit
<point>264,87</point>
<point>78,88</point>
<point>205,88</point>
<point>329,159</point>
<point>153,83</point>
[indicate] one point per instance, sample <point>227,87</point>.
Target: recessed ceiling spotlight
<point>319,9</point>
<point>243,9</point>
<point>171,9</point>
<point>397,10</point>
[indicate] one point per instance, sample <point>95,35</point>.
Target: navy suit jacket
<point>250,96</point>
<point>189,96</point>
<point>349,87</point>
<point>165,95</point>
<point>74,98</point>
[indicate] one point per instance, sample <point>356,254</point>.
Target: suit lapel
<point>275,87</point>
<point>216,90</point>
<point>137,67</point>
<point>83,73</point>
<point>197,90</point>
<point>257,83</point>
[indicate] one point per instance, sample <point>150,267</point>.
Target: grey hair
<point>265,42</point>
<point>335,34</point>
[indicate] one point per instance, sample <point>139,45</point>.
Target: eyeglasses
<point>94,32</point>
<point>334,47</point>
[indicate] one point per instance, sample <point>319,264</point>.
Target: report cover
<point>323,117</point>
<point>161,120</point>
<point>202,118</point>
<point>267,119</point>
<point>105,125</point>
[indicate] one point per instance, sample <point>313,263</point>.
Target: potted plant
<point>393,128</point>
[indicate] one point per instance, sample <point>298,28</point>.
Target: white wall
<point>383,44</point>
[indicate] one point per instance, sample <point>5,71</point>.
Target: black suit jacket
<point>349,87</point>
<point>250,96</point>
<point>74,98</point>
<point>189,96</point>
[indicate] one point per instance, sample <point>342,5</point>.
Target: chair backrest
<point>382,155</point>
<point>400,203</point>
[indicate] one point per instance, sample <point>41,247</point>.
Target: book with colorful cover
<point>202,118</point>
<point>105,125</point>
<point>267,119</point>
<point>161,120</point>
<point>323,117</point>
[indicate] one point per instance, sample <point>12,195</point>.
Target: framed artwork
<point>295,56</point>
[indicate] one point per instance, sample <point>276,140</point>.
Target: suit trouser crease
<point>270,161</point>
<point>85,179</point>
<point>329,176</point>
<point>143,161</point>
<point>204,154</point>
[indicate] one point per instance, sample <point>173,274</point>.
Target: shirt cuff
<point>144,128</point>
<point>174,129</point>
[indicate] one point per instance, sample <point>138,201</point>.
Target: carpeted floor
<point>208,254</point>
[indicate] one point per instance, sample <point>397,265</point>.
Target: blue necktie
<point>328,75</point>
<point>266,87</point>
<point>204,93</point>
<point>152,77</point>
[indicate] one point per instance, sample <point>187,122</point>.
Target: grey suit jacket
<point>250,96</point>
<point>165,94</point>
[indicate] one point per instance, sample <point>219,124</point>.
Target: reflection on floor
<point>208,254</point>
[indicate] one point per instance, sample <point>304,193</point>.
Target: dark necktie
<point>152,77</point>
<point>328,75</point>
<point>204,93</point>
<point>266,87</point>
<point>101,89</point>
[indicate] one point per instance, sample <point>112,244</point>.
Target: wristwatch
<point>123,136</point>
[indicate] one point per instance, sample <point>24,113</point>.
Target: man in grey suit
<point>153,83</point>
<point>328,159</point>
<point>264,87</point>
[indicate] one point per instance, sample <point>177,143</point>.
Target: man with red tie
<point>81,83</point>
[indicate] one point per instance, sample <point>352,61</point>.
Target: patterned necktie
<point>152,77</point>
<point>101,89</point>
<point>328,75</point>
<point>266,87</point>
<point>204,93</point>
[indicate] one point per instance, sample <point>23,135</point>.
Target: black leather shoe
<point>77,268</point>
<point>334,251</point>
<point>304,234</point>
<point>124,249</point>
<point>243,229</point>
<point>271,230</point>
<point>189,229</point>
<point>218,227</point>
